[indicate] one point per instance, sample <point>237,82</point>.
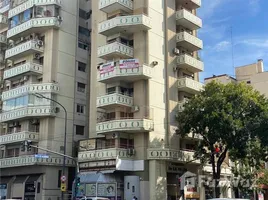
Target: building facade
<point>45,53</point>
<point>145,65</point>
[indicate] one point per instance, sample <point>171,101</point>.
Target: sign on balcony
<point>107,67</point>
<point>129,63</point>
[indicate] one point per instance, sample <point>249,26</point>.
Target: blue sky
<point>249,22</point>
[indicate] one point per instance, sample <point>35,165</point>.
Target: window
<point>126,143</point>
<point>111,116</point>
<point>82,66</point>
<point>248,82</point>
<point>84,14</point>
<point>80,108</point>
<point>81,87</point>
<point>79,130</point>
<point>110,143</point>
<point>82,45</point>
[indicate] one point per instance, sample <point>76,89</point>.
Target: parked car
<point>93,198</point>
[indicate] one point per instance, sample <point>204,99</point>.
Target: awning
<point>105,176</point>
<point>20,179</point>
<point>5,180</point>
<point>32,178</point>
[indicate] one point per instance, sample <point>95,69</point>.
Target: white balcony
<point>30,88</point>
<point>19,137</point>
<point>29,4</point>
<point>102,154</point>
<point>28,112</point>
<point>125,125</point>
<point>24,69</point>
<point>112,100</point>
<point>29,160</point>
<point>188,20</point>
<point>115,49</point>
<point>174,155</point>
<point>189,41</point>
<point>3,40</point>
<point>127,24</point>
<point>142,72</point>
<point>3,21</point>
<point>5,6</point>
<point>23,49</point>
<point>110,6</point>
<point>190,63</point>
<point>37,25</point>
<point>189,85</point>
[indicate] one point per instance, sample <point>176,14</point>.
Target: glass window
<point>14,21</point>
<point>26,15</point>
<point>80,108</point>
<point>81,87</point>
<point>82,66</point>
<point>79,130</point>
<point>110,143</point>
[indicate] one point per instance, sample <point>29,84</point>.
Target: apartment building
<point>45,54</point>
<point>144,66</point>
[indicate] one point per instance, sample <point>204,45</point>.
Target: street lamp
<point>65,130</point>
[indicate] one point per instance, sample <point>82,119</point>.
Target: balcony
<point>174,155</point>
<point>125,125</point>
<point>3,40</point>
<point>188,20</point>
<point>28,112</point>
<point>189,85</point>
<point>29,160</point>
<point>5,6</point>
<point>190,4</point>
<point>3,21</point>
<point>24,49</point>
<point>127,24</point>
<point>29,4</point>
<point>102,154</point>
<point>110,6</point>
<point>189,41</point>
<point>24,69</point>
<point>115,49</point>
<point>190,63</point>
<point>31,88</point>
<point>37,25</point>
<point>142,72</point>
<point>112,100</point>
<point>19,137</point>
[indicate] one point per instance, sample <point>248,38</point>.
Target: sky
<point>245,22</point>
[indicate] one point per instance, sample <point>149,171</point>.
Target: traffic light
<point>29,143</point>
<point>78,182</point>
<point>22,146</point>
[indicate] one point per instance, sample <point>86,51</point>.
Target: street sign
<point>63,178</point>
<point>63,187</point>
<point>41,156</point>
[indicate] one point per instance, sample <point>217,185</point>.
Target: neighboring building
<point>44,49</point>
<point>145,65</point>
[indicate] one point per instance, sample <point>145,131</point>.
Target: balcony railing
<point>28,112</point>
<point>31,88</point>
<point>29,4</point>
<point>3,39</point>
<point>126,24</point>
<point>171,155</point>
<point>102,154</point>
<point>23,49</point>
<point>189,41</point>
<point>115,49</point>
<point>125,125</point>
<point>19,137</point>
<point>126,74</point>
<point>5,6</point>
<point>189,85</point>
<point>190,63</point>
<point>25,69</point>
<point>110,6</point>
<point>37,23</point>
<point>188,20</point>
<point>114,99</point>
<point>32,160</point>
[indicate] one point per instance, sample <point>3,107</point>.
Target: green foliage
<point>263,179</point>
<point>234,116</point>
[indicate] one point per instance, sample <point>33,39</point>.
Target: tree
<point>228,117</point>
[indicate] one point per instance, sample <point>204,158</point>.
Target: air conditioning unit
<point>155,63</point>
<point>176,51</point>
<point>131,152</point>
<point>135,108</point>
<point>37,56</point>
<point>40,43</point>
<point>59,18</point>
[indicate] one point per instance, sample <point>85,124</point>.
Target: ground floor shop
<point>32,182</point>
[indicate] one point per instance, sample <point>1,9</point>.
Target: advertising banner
<point>106,189</point>
<point>107,67</point>
<point>129,64</point>
<point>91,190</point>
<point>85,145</point>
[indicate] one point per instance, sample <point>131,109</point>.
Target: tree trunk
<point>217,189</point>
